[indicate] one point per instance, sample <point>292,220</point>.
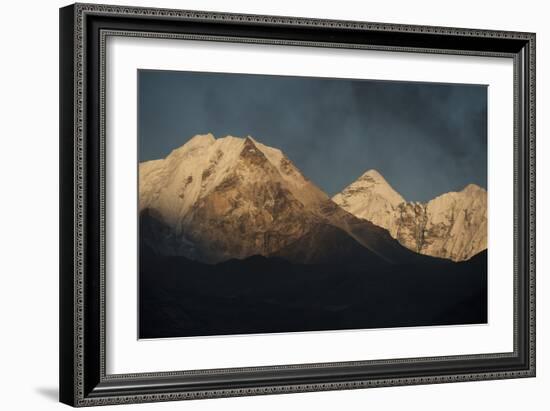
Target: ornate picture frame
<point>84,30</point>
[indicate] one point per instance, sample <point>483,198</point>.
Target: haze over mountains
<point>213,200</point>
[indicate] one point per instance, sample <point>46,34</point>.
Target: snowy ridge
<point>227,198</point>
<point>370,197</point>
<point>452,225</point>
<point>216,199</point>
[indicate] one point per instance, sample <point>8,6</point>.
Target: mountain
<point>452,225</point>
<point>372,198</point>
<point>327,244</point>
<point>235,240</point>
<point>224,198</point>
<point>212,200</point>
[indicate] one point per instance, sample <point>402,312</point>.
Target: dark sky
<point>424,138</point>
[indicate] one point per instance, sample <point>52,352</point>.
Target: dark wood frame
<point>83,29</point>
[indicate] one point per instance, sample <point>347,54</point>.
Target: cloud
<point>425,138</point>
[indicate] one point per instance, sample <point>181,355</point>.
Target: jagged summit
<point>373,183</point>
<point>473,188</point>
<point>201,139</point>
<point>372,174</point>
<point>452,225</point>
<point>229,197</point>
<point>370,197</point>
<point>252,152</point>
<point>198,141</point>
<point>216,199</point>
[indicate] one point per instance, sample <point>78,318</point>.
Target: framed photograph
<point>261,204</point>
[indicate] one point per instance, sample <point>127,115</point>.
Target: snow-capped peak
<point>372,173</point>
<point>473,188</point>
<point>215,191</point>
<point>371,186</point>
<point>200,140</point>
<point>452,225</point>
<point>174,184</point>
